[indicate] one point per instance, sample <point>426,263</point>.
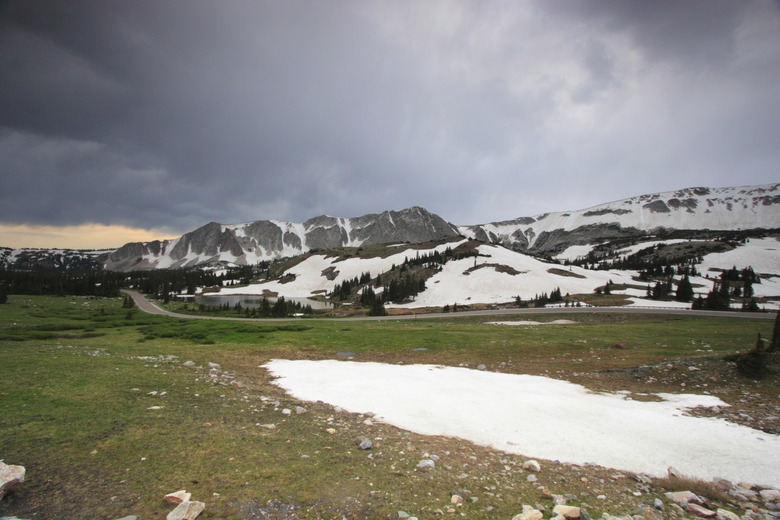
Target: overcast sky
<point>160,116</point>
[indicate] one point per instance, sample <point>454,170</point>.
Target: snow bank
<point>487,284</point>
<point>759,253</point>
<point>540,417</point>
<point>518,323</point>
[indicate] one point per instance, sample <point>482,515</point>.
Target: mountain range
<point>681,213</point>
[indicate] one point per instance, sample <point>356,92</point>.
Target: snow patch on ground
<point>540,417</point>
<point>516,323</point>
<point>643,302</point>
<point>572,253</point>
<point>759,253</point>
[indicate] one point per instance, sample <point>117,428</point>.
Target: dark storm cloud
<point>177,113</point>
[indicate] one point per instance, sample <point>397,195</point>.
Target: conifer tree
<point>684,290</point>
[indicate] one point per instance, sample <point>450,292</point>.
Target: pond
<point>249,301</point>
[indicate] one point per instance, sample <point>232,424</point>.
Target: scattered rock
<point>426,464</point>
<point>214,366</point>
<point>186,511</point>
<point>330,431</point>
<point>10,477</point>
<point>568,512</point>
<point>770,495</point>
<point>456,499</point>
<point>531,514</point>
<point>532,465</point>
<point>364,443</point>
<point>699,511</point>
<point>189,364</point>
<point>673,472</point>
<point>723,514</point>
<point>648,512</point>
<point>177,497</point>
<point>683,497</point>
<point>299,410</point>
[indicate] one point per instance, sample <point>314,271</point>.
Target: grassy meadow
<point>97,403</point>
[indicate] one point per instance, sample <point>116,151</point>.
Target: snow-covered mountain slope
<point>740,208</point>
<point>498,275</point>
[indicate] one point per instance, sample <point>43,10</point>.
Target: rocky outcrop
<point>266,239</point>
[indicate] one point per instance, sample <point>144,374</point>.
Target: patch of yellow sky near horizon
<point>84,236</point>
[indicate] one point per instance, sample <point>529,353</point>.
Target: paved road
<point>147,306</point>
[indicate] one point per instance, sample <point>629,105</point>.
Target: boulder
<point>699,511</point>
<point>426,464</point>
<point>723,514</point>
<point>533,514</point>
<point>10,477</point>
<point>568,512</point>
<point>186,511</point>
<point>770,495</point>
<point>683,497</point>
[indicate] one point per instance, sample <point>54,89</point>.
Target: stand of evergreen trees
<point>56,283</point>
<point>281,308</point>
<point>161,283</point>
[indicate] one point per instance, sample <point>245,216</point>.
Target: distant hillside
<point>717,209</point>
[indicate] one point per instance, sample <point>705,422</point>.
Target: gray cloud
<point>177,113</point>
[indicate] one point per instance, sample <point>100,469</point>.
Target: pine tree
<point>377,308</point>
<point>684,290</point>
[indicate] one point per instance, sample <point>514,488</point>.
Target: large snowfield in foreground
<point>541,417</point>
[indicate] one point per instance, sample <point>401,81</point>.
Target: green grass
<point>76,376</point>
